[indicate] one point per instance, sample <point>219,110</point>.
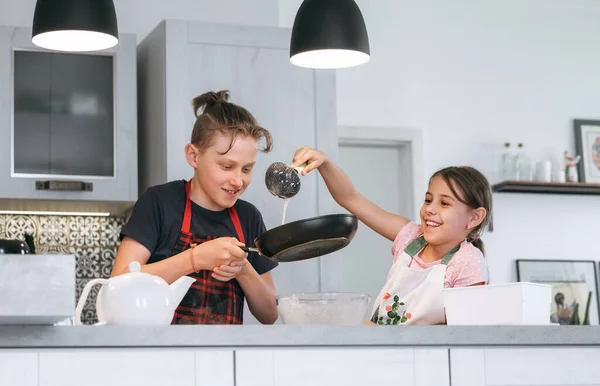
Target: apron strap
<point>415,246</point>
<point>235,219</point>
<point>419,243</point>
<point>187,216</point>
<point>448,256</point>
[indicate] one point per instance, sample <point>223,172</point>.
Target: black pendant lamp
<point>75,25</point>
<point>329,34</point>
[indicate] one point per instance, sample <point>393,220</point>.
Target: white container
<point>519,303</point>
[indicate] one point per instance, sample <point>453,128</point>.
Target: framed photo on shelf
<point>574,288</point>
<point>587,145</point>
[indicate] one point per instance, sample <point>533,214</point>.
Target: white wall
<point>141,16</point>
<point>473,75</point>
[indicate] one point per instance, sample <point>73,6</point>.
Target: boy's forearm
<point>260,295</point>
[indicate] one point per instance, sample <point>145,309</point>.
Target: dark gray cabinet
<point>68,126</point>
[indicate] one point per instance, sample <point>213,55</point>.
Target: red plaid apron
<point>208,301</point>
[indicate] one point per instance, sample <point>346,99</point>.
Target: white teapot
<point>135,298</point>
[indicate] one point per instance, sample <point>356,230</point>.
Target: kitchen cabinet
<point>525,366</point>
<point>339,366</point>
<point>69,126</point>
<point>18,367</point>
<point>291,366</point>
<point>100,367</point>
<point>180,60</point>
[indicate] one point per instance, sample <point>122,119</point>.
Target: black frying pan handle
<point>247,249</point>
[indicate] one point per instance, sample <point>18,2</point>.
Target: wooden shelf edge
<point>546,187</point>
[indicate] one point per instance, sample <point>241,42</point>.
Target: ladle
<point>282,180</point>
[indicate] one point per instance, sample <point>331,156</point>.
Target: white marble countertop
<point>296,336</point>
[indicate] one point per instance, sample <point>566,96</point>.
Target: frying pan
<point>305,239</point>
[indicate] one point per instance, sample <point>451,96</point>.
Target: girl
<point>444,250</point>
<point>196,227</point>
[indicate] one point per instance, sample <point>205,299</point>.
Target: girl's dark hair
<point>474,191</point>
<point>220,115</point>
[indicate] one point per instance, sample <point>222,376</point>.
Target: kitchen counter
<point>279,355</point>
<point>297,336</point>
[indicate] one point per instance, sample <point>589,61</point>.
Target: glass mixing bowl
<point>340,308</point>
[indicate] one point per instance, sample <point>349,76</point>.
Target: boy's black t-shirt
<point>156,220</point>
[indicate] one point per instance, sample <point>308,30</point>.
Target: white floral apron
<point>412,296</point>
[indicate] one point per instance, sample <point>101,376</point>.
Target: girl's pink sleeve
<point>471,268</point>
<point>407,234</point>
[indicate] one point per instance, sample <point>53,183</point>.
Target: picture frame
<point>587,145</point>
<point>572,281</point>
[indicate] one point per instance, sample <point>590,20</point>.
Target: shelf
<point>546,187</point>
<point>30,206</point>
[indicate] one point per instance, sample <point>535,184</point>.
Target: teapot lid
<point>135,270</point>
<point>135,273</point>
<point>135,266</point>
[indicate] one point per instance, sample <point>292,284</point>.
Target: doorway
<point>380,164</point>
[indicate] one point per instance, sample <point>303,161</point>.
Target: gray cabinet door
<point>32,117</point>
<point>83,130</point>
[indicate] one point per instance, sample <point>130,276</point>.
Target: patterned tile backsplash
<point>93,240</point>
